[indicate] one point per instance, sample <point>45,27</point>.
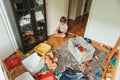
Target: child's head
<point>63,19</point>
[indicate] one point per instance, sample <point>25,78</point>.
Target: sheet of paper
<point>39,16</point>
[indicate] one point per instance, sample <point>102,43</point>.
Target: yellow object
<point>27,55</point>
<point>42,49</point>
<point>96,57</point>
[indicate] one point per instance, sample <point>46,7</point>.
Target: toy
<point>108,74</point>
<point>98,75</point>
<point>50,64</point>
<point>70,74</point>
<point>89,71</point>
<point>47,76</point>
<point>100,68</point>
<point>80,47</point>
<point>96,57</point>
<point>88,40</point>
<point>51,56</point>
<point>51,61</point>
<point>87,63</point>
<point>113,61</point>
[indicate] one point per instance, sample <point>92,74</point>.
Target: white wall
<point>54,10</point>
<point>104,21</point>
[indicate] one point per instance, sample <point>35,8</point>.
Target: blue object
<point>113,61</point>
<point>70,74</point>
<point>87,39</point>
<point>98,75</point>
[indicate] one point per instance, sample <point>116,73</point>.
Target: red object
<point>106,59</point>
<point>115,54</point>
<point>59,56</point>
<point>51,58</point>
<point>70,73</point>
<point>89,71</point>
<point>47,76</point>
<point>87,63</point>
<point>57,50</point>
<point>12,62</point>
<point>80,48</point>
<point>102,69</point>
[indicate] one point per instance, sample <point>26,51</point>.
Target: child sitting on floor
<point>61,30</point>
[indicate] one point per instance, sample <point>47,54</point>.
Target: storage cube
<point>33,63</point>
<point>80,56</point>
<point>25,76</point>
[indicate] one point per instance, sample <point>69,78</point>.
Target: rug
<point>65,58</point>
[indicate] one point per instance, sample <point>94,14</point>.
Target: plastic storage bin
<point>47,76</point>
<point>33,63</point>
<point>80,56</point>
<point>25,76</point>
<point>42,49</point>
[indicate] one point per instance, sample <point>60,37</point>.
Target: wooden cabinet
<point>31,22</point>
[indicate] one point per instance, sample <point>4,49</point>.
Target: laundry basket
<point>80,56</point>
<point>33,63</point>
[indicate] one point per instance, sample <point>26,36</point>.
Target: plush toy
<point>51,56</point>
<point>51,61</point>
<point>50,64</point>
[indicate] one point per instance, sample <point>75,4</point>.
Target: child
<point>61,30</point>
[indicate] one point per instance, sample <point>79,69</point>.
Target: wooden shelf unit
<point>108,61</point>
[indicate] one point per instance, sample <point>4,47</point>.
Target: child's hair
<point>63,19</point>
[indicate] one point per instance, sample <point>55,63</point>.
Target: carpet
<point>65,58</point>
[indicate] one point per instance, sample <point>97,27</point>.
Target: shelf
<point>28,15</point>
<point>40,7</point>
<point>22,10</point>
<point>109,58</point>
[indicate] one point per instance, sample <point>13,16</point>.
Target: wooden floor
<point>76,27</point>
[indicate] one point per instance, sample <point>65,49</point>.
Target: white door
<point>6,48</point>
<point>54,10</point>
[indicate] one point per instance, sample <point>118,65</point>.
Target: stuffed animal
<point>51,56</point>
<point>51,61</point>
